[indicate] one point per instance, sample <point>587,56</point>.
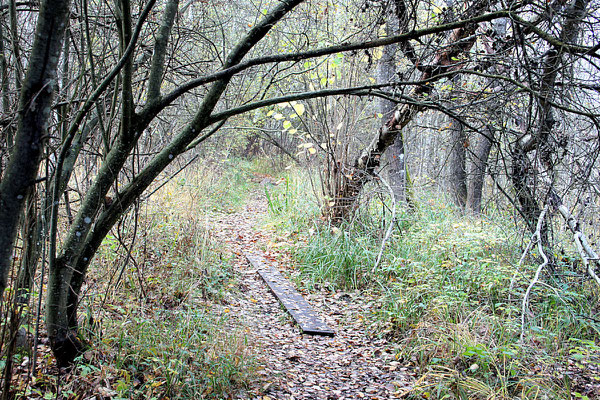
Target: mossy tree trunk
<point>35,101</point>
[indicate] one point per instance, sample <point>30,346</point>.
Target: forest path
<point>350,365</point>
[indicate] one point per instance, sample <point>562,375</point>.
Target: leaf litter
<point>350,365</point>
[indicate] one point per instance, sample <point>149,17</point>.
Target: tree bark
<point>15,43</point>
<point>386,72</point>
<point>461,40</point>
<point>478,170</point>
<point>30,234</point>
<point>160,50</point>
<point>8,130</point>
<point>457,162</point>
<point>30,139</point>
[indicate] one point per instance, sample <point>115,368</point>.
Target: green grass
<point>448,291</point>
<point>159,326</point>
<point>181,353</point>
<point>217,187</point>
<point>292,205</point>
<point>154,305</point>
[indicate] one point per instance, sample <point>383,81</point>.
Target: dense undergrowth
<point>162,334</point>
<point>449,292</point>
<point>150,310</point>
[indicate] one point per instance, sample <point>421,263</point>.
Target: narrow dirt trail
<point>349,365</point>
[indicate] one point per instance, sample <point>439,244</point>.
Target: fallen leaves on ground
<point>350,365</point>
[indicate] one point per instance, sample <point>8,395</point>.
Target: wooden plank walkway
<point>308,320</point>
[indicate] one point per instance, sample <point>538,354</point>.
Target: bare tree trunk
<point>15,43</point>
<point>461,40</point>
<point>457,157</point>
<point>34,110</point>
<point>160,50</point>
<point>386,72</point>
<point>8,129</point>
<point>30,233</point>
<point>64,280</point>
<point>397,160</point>
<point>478,170</point>
<point>457,163</point>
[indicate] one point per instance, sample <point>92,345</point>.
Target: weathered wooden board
<point>308,320</point>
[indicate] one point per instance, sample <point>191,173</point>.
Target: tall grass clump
<point>346,267</point>
<point>449,293</point>
<point>222,186</point>
<point>291,202</point>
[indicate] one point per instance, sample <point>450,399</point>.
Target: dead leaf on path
<point>267,386</point>
<point>350,366</point>
<point>106,392</point>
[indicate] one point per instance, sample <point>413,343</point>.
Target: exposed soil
<point>350,365</point>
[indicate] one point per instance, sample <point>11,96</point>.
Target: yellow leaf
<point>299,108</point>
<point>377,54</point>
<point>312,150</point>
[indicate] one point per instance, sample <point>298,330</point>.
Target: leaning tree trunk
<point>32,127</point>
<point>462,40</point>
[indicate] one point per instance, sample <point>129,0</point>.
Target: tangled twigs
<point>390,226</point>
<point>536,237</point>
<point>586,252</point>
